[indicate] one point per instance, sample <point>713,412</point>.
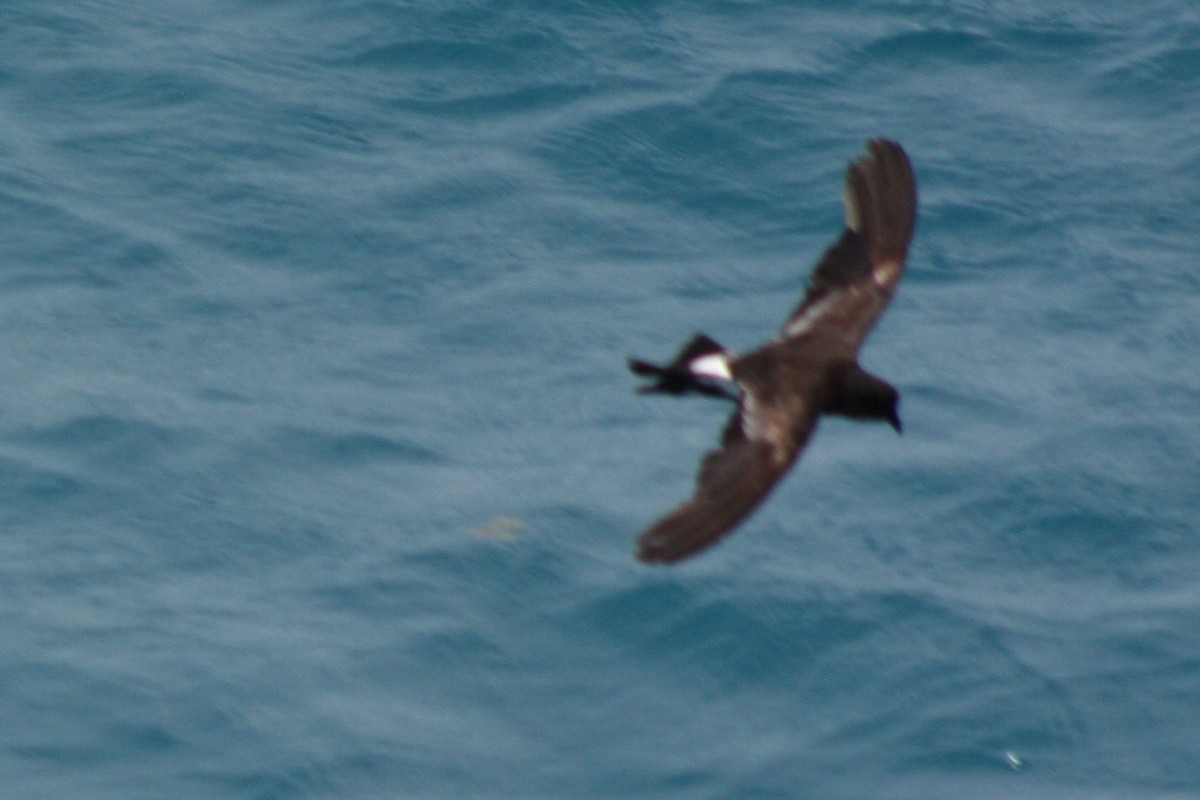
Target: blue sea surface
<point>320,468</point>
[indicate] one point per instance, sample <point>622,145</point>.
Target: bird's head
<point>860,395</point>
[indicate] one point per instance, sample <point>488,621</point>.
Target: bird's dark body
<point>809,369</point>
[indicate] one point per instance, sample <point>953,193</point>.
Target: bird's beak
<point>894,421</point>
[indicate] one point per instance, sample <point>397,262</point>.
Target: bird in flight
<point>810,368</point>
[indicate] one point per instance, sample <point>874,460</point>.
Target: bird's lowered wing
<point>733,480</point>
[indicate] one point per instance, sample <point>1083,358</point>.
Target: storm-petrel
<point>810,368</point>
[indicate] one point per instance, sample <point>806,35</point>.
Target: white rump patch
<point>713,365</point>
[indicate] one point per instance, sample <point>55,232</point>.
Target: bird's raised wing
<point>856,278</point>
<point>733,480</point>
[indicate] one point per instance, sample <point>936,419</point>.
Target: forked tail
<point>681,377</point>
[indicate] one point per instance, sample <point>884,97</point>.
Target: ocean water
<point>320,468</point>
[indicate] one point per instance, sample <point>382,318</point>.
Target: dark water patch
<point>955,46</point>
<point>689,156</point>
<point>138,89</point>
<point>1160,70</point>
<point>113,720</point>
<point>493,106</point>
<point>104,438</point>
<point>68,245</point>
<point>347,449</point>
<point>24,477</point>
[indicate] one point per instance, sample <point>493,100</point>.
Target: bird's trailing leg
<point>702,367</point>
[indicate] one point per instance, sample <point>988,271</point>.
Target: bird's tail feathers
<point>679,377</point>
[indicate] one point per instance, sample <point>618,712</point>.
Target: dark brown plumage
<point>809,369</point>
